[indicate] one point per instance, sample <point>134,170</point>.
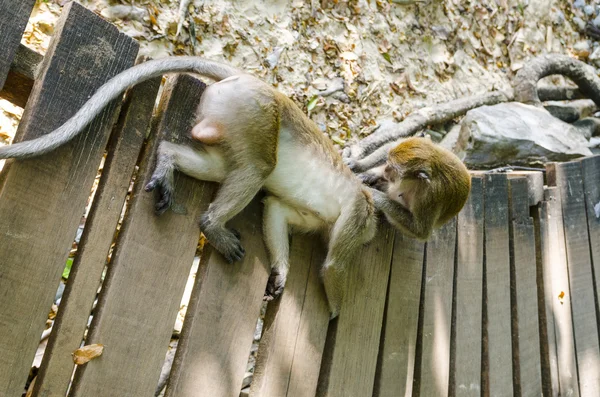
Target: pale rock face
<point>517,134</point>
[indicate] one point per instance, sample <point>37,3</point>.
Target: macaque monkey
<point>252,137</point>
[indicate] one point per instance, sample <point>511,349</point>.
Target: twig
<point>359,156</point>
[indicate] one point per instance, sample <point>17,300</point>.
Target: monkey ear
<point>389,174</point>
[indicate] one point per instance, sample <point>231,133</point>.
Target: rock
<point>516,134</point>
<point>579,22</point>
<point>571,111</point>
<point>595,57</point>
<point>582,49</point>
<point>596,21</point>
<point>579,3</point>
<point>449,141</point>
<point>588,127</point>
<point>588,10</point>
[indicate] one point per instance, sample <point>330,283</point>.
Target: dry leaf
<point>87,353</point>
<point>561,297</point>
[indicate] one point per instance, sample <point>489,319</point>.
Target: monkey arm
<point>399,216</point>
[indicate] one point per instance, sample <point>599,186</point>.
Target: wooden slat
<point>535,185</point>
<point>123,150</point>
<point>289,355</point>
<point>352,358</point>
<point>497,282</point>
<point>465,377</point>
<point>14,15</point>
<point>149,268</point>
<point>528,376</point>
<point>591,180</point>
<point>437,312</point>
<point>396,364</point>
<point>557,294</point>
<point>21,76</point>
<point>585,323</point>
<point>42,200</point>
<point>221,317</point>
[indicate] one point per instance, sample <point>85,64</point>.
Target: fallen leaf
<point>561,297</point>
<point>87,353</point>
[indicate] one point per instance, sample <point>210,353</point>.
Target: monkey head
<point>428,180</point>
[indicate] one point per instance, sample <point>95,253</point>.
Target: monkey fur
<point>248,137</point>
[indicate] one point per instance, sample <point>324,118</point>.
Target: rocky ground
<point>349,63</point>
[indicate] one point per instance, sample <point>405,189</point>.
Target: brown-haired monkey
<point>256,138</point>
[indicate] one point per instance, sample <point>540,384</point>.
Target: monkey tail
<point>111,90</point>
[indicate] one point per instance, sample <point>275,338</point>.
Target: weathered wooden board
<point>21,76</point>
<point>351,356</point>
<point>397,352</point>
<point>221,318</point>
<point>123,150</point>
<point>149,268</point>
<point>42,199</point>
<point>557,295</point>
<point>437,312</point>
<point>465,375</point>
<point>295,327</point>
<point>14,15</point>
<point>497,286</point>
<point>528,369</point>
<point>591,180</point>
<point>569,180</point>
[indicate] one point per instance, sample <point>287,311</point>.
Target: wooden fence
<point>501,301</point>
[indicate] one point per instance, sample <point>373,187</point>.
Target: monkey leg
<point>238,189</point>
<point>355,226</point>
<point>278,216</point>
<point>205,164</point>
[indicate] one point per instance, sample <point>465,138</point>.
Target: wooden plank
<point>21,76</point>
<point>289,355</point>
<point>14,15</point>
<point>396,364</point>
<point>437,312</point>
<point>351,369</point>
<point>42,199</point>
<point>465,376</point>
<point>557,294</point>
<point>497,286</point>
<point>123,150</point>
<point>569,180</point>
<point>221,317</point>
<point>591,180</point>
<point>526,333</point>
<point>149,268</point>
<point>535,185</point>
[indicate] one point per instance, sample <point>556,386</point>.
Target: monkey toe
<point>275,286</point>
<point>236,233</point>
<point>235,254</point>
<point>150,186</point>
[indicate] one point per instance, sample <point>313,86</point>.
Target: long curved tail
<point>111,90</point>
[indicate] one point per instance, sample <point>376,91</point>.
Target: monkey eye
<point>423,175</point>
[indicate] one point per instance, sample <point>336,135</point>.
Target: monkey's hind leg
<point>354,227</point>
<point>278,216</point>
<point>205,164</point>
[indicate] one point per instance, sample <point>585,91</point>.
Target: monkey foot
<point>275,285</point>
<point>165,194</point>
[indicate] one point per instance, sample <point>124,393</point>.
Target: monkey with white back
<point>253,137</point>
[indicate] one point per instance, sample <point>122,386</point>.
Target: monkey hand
<point>226,241</point>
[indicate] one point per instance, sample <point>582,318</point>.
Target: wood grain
<point>497,285</point>
<point>526,347</point>
<point>557,292</point>
<point>352,352</point>
<point>569,180</point>
<point>221,317</point>
<point>465,378</point>
<point>398,348</point>
<point>14,15</point>
<point>437,312</point>
<point>42,199</point>
<point>123,150</point>
<point>150,265</point>
<point>294,330</point>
